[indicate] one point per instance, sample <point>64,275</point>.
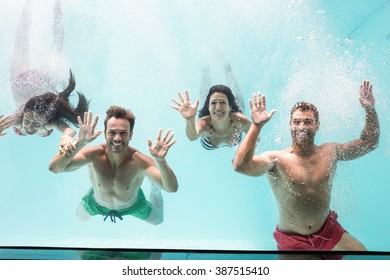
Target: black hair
<point>53,106</point>
<point>224,90</point>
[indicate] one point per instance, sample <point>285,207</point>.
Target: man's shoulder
<point>94,150</point>
<point>135,154</point>
<point>100,147</point>
<point>277,153</point>
<point>139,158</point>
<point>329,146</point>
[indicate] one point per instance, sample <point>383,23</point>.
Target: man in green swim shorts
<point>117,170</point>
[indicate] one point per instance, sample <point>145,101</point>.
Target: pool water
<point>139,54</point>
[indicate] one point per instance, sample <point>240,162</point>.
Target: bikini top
<point>235,140</point>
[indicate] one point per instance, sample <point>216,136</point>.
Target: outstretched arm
<point>163,174</point>
<point>188,111</point>
<point>5,123</point>
<point>369,137</point>
<point>74,156</point>
<point>245,162</point>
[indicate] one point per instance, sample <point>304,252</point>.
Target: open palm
<point>87,129</point>
<point>160,149</point>
<point>186,109</point>
<point>259,113</point>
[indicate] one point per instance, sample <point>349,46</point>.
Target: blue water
<point>139,54</point>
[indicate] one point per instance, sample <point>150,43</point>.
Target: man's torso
<point>116,187</point>
<point>302,186</point>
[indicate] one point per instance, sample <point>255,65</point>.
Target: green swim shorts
<point>140,209</point>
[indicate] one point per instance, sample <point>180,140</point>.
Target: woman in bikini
<point>220,122</point>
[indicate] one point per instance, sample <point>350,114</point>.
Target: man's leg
<point>82,213</point>
<point>349,243</point>
<point>157,214</point>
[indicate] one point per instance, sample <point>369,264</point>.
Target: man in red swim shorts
<point>301,176</point>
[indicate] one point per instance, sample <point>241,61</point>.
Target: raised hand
<point>366,97</point>
<point>87,129</point>
<point>259,113</point>
<point>160,149</point>
<point>186,109</point>
<point>5,123</point>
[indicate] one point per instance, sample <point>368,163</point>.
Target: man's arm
<point>65,162</point>
<point>73,156</point>
<point>159,172</point>
<point>369,137</point>
<point>245,162</point>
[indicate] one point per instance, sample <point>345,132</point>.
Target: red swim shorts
<point>323,240</point>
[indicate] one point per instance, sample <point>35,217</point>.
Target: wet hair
<point>56,106</point>
<point>305,106</point>
<point>119,113</point>
<point>224,90</point>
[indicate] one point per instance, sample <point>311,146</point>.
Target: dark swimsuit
<point>236,139</point>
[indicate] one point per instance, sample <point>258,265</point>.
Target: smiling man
<point>301,176</point>
<point>117,170</point>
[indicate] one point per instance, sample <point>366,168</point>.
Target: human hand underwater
<point>366,96</point>
<point>186,109</point>
<point>67,145</point>
<point>87,129</point>
<point>259,113</point>
<point>160,149</point>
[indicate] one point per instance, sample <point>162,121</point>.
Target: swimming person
<point>301,176</point>
<point>39,108</point>
<point>220,122</point>
<point>118,170</point>
<point>231,81</point>
<point>5,123</point>
<point>43,113</point>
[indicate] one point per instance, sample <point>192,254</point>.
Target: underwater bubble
<point>348,40</point>
<point>278,140</point>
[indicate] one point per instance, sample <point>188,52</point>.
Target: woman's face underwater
<point>33,122</point>
<point>219,105</point>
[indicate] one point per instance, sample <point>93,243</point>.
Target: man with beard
<point>301,176</point>
<point>117,170</point>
